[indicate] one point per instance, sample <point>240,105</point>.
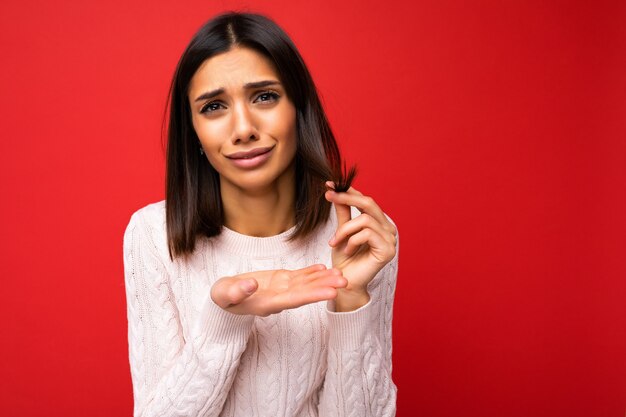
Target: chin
<point>251,181</point>
<point>260,180</point>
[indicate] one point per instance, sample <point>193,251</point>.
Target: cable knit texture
<point>188,357</point>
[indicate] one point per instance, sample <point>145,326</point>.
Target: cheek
<point>209,134</point>
<point>286,128</point>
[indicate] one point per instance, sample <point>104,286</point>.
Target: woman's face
<point>244,120</point>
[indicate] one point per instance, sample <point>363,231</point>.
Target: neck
<point>261,212</point>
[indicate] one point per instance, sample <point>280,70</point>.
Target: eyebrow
<point>255,84</point>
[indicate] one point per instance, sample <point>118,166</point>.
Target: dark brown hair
<point>193,201</point>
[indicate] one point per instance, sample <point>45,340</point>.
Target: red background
<point>493,133</point>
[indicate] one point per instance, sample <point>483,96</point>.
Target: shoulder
<point>152,215</point>
<point>147,228</point>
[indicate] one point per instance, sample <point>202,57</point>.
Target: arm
<point>365,248</point>
<point>358,379</point>
<point>173,375</point>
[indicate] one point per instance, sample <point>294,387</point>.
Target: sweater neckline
<point>239,243</point>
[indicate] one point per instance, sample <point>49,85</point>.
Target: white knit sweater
<point>188,357</point>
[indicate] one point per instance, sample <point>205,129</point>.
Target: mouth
<point>250,154</point>
<point>251,159</point>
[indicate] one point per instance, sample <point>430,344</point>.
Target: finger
<point>316,276</point>
<point>231,291</point>
<point>353,191</point>
<point>333,280</point>
<point>323,288</point>
<point>328,280</point>
<point>308,270</point>
<point>365,204</point>
<point>381,249</point>
<point>343,214</point>
<point>357,224</point>
<point>342,210</point>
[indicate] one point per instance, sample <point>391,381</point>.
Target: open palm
<point>262,293</point>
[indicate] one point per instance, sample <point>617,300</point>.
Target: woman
<point>248,294</point>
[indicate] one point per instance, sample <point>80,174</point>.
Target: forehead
<point>232,69</point>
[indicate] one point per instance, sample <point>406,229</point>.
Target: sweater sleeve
<point>358,379</point>
<point>174,374</point>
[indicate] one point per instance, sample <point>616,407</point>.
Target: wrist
<point>350,299</point>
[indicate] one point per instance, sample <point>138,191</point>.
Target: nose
<point>244,128</point>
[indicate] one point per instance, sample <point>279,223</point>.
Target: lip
<point>252,158</point>
<point>250,154</point>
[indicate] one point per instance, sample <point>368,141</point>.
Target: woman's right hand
<point>262,293</point>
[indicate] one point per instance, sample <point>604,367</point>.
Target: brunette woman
<point>263,285</point>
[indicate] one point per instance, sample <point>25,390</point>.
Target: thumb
<point>343,213</point>
<point>231,291</point>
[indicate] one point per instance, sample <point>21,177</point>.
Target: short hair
<point>193,200</point>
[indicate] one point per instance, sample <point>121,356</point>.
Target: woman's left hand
<point>361,246</point>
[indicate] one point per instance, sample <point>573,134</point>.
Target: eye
<point>267,96</point>
<point>211,107</point>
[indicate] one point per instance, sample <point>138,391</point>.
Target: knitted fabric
<point>189,357</point>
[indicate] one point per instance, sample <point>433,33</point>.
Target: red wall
<point>494,133</point>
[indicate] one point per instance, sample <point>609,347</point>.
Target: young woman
<point>259,287</point>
